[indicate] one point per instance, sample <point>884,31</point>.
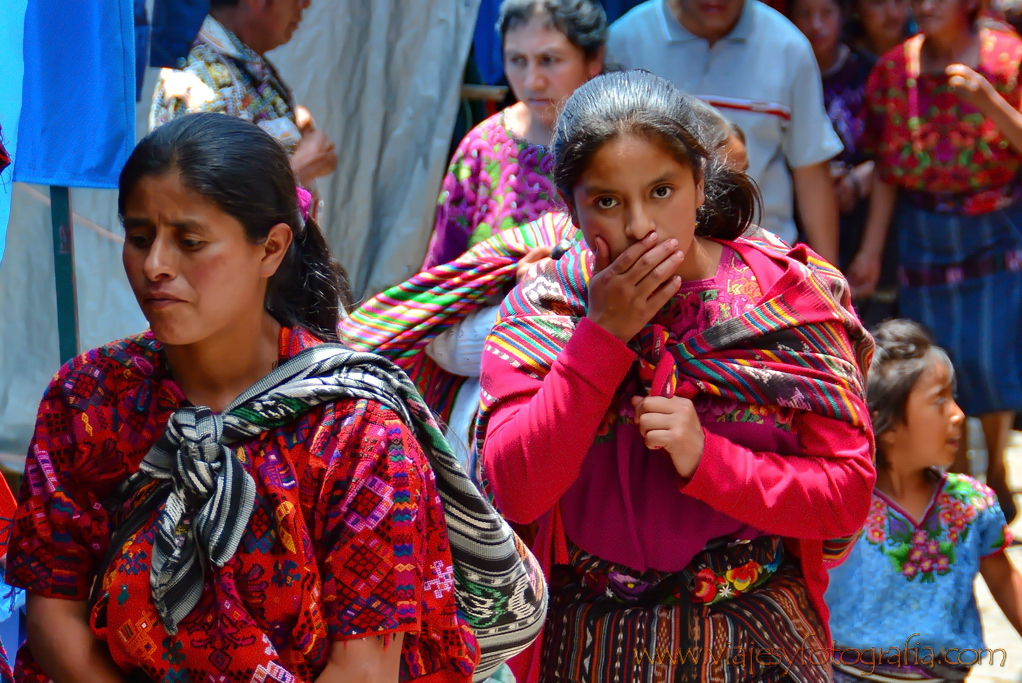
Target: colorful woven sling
<point>802,346</point>
<point>400,322</point>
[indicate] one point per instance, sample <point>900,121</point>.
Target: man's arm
<point>809,143</point>
<point>817,204</point>
<point>314,157</point>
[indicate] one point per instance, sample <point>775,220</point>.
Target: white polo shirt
<point>762,75</point>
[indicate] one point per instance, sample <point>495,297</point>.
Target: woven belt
<point>972,204</point>
<point>982,266</point>
<point>721,572</point>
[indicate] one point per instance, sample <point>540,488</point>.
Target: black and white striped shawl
<point>205,497</point>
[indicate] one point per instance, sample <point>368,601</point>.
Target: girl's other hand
<point>671,424</point>
<point>971,87</point>
<point>626,294</point>
<point>530,262</point>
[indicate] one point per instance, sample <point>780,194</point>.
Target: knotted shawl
<point>205,496</point>
<point>801,346</point>
<point>399,323</point>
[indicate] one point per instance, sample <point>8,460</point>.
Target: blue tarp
<point>486,42</point>
<point>12,32</point>
<point>175,25</point>
<point>141,46</point>
<point>78,94</point>
<point>169,40</point>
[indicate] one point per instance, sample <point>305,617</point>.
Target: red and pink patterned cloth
<point>927,139</point>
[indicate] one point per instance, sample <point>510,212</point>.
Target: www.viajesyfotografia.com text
<point>807,653</point>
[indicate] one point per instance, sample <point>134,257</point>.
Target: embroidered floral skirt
<point>737,613</point>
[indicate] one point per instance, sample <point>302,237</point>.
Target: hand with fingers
<point>303,119</point>
<point>532,261</point>
<point>864,274</point>
<point>671,424</point>
<point>314,157</point>
<point>971,87</point>
<point>625,294</point>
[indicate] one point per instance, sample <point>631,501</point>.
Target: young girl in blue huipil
<point>902,604</point>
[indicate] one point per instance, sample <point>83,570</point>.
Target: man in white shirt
<point>759,70</point>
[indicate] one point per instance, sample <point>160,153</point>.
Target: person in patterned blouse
<point>227,72</point>
<point>902,605</point>
<point>944,130</point>
<point>501,175</point>
<point>340,568</point>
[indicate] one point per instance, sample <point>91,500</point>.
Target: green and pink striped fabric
<point>401,321</point>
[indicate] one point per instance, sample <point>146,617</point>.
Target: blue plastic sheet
<point>78,96</point>
<point>12,33</point>
<point>175,25</point>
<point>141,46</point>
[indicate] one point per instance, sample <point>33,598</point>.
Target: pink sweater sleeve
<point>823,493</point>
<point>541,429</point>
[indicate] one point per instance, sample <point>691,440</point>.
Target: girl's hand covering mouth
<point>625,294</point>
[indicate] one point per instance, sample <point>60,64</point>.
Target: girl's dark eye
<point>663,192</point>
<point>191,244</point>
<point>606,202</point>
<point>138,241</point>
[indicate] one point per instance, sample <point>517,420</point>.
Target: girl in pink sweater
<point>677,411</point>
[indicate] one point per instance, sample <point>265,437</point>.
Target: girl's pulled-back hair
<point>246,172</point>
<point>647,106</point>
<point>583,22</point>
<point>904,350</point>
<point>715,130</point>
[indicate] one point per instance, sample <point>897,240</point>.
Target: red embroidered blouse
<point>924,137</point>
<point>346,512</point>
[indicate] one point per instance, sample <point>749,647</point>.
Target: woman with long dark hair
<point>221,497</point>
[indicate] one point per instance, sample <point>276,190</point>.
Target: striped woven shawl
<point>801,346</point>
<point>400,322</point>
<point>498,584</point>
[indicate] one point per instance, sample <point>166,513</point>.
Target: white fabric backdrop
<point>381,78</point>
